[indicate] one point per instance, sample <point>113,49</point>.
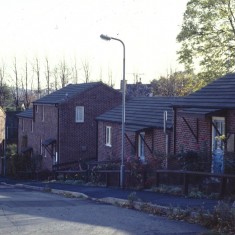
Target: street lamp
<point>122,167</point>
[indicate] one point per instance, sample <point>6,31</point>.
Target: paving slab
<point>110,192</point>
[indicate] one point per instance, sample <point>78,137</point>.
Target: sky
<point>71,29</point>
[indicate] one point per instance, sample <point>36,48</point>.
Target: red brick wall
<point>230,121</point>
<point>154,138</point>
<point>107,152</point>
<point>160,141</point>
<point>185,138</point>
<point>76,140</point>
<point>79,140</point>
<point>42,130</point>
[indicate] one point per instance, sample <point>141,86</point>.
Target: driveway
<point>31,212</point>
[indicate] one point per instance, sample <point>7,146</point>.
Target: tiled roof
<point>220,94</point>
<point>142,112</point>
<point>65,93</point>
<point>199,111</point>
<point>28,113</point>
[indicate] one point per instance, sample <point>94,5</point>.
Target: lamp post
<point>122,167</point>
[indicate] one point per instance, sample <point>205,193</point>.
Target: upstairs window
<point>108,136</point>
<point>79,114</point>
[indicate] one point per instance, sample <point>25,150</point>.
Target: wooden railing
<point>187,174</point>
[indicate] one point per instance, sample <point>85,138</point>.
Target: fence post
<point>223,186</point>
<point>157,179</point>
<point>107,179</point>
<point>186,180</point>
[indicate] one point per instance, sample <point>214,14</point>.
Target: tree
<point>64,73</point>
<point>86,70</point>
<point>25,90</point>
<point>207,37</point>
<point>176,84</point>
<point>5,94</point>
<point>15,90</point>
<point>110,76</point>
<point>36,69</point>
<point>74,72</point>
<point>48,75</point>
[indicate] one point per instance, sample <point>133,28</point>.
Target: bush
<point>22,163</point>
<point>96,177</point>
<point>191,161</point>
<point>222,219</point>
<point>142,174</point>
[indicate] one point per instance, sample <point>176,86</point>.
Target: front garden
<point>142,176</point>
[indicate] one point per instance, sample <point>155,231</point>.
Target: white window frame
<point>108,136</point>
<point>141,146</point>
<point>79,114</point>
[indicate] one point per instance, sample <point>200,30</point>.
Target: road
<point>32,212</point>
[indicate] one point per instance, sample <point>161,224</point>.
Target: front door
<point>218,135</point>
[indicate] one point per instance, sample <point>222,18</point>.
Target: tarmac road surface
<point>24,211</point>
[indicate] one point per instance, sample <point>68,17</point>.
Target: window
<point>141,146</point>
<point>36,108</point>
<point>79,115</point>
<point>108,136</point>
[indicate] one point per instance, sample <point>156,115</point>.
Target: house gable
<point>220,94</point>
<point>205,115</point>
<point>144,125</point>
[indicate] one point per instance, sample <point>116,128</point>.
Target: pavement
<point>113,195</point>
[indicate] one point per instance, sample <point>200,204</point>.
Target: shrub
<point>191,161</point>
<point>98,178</point>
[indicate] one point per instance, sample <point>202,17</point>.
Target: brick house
<point>203,118</point>
<point>62,127</point>
<point>144,129</point>
<point>12,127</point>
